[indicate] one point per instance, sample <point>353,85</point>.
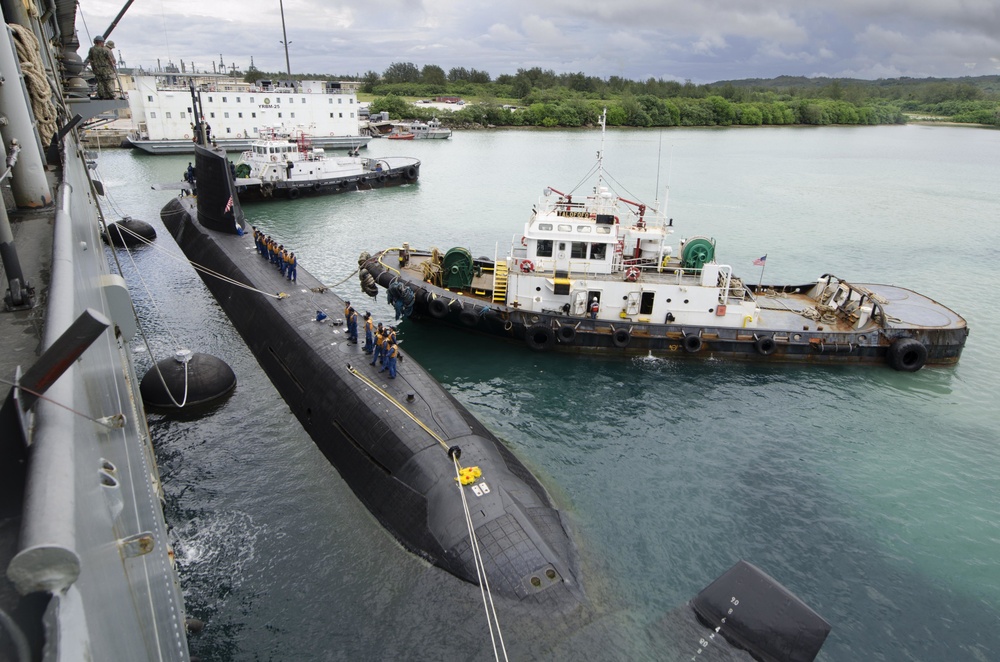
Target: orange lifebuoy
<point>186,136</point>
<point>527,266</point>
<point>524,241</point>
<point>632,274</point>
<point>274,157</point>
<point>331,133</point>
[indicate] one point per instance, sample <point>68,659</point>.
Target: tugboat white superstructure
<point>282,166</point>
<point>596,274</point>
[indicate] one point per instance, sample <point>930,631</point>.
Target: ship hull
<point>359,181</point>
<point>186,146</point>
<point>940,332</point>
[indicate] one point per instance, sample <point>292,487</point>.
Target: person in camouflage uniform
<point>102,63</point>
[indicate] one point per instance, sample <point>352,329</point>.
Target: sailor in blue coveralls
<point>352,325</point>
<point>390,359</point>
<point>379,339</point>
<point>369,333</point>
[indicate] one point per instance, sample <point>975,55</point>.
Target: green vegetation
<point>543,98</point>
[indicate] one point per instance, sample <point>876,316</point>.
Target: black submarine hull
<point>390,449</point>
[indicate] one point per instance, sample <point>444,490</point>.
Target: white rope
<point>198,267</point>
<point>484,584</point>
<point>142,332</point>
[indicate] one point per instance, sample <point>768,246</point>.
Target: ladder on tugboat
<point>500,282</point>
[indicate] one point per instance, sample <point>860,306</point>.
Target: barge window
<point>565,227</point>
<point>183,114</point>
<point>583,228</point>
<point>598,251</point>
<point>544,248</point>
<point>646,306</point>
<point>223,99</point>
<point>168,114</point>
<point>226,115</point>
<point>545,227</point>
<point>603,229</point>
<point>578,250</point>
<point>237,99</point>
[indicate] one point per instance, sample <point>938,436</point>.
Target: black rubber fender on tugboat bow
<point>621,338</point>
<point>437,307</point>
<point>907,354</point>
<point>692,344</point>
<point>540,338</point>
<point>765,345</point>
<point>294,194</point>
<point>468,318</point>
<point>566,334</point>
<point>411,173</point>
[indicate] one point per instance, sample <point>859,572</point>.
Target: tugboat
<point>596,274</point>
<point>278,166</point>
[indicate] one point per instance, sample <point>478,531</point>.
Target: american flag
<point>229,206</point>
<point>759,262</point>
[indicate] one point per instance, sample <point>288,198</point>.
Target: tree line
<point>544,98</point>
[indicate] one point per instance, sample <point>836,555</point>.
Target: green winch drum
<point>457,269</point>
<point>697,252</point>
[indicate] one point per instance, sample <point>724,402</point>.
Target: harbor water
<point>871,494</point>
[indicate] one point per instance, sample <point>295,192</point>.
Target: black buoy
<point>123,233</point>
<point>205,377</point>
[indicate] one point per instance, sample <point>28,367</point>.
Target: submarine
<point>397,442</point>
<point>415,456</point>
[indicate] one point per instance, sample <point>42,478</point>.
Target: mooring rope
<point>110,422</point>
<point>201,268</point>
<point>484,585</point>
<point>138,322</point>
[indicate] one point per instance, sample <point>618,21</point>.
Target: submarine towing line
<point>464,476</point>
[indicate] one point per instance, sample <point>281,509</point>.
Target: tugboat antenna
<point>600,153</point>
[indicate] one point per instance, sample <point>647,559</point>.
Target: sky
<point>702,41</point>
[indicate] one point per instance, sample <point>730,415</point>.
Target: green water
<point>871,494</point>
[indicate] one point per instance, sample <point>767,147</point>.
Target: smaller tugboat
<point>279,166</point>
<point>595,274</point>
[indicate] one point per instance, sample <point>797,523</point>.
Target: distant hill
<point>989,85</point>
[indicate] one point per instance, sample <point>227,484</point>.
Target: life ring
<point>527,266</point>
<point>411,172</point>
<point>331,134</point>
<point>632,274</point>
<point>540,338</point>
<point>468,318</point>
<point>186,136</point>
<point>524,240</point>
<point>765,345</point>
<point>438,308</point>
<point>566,334</point>
<point>294,194</point>
<point>692,344</point>
<point>274,158</point>
<point>621,338</point>
<point>907,354</point>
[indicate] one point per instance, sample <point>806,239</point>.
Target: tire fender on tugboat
<point>765,345</point>
<point>540,338</point>
<point>468,318</point>
<point>294,194</point>
<point>566,334</point>
<point>621,338</point>
<point>907,354</point>
<point>438,308</point>
<point>692,344</point>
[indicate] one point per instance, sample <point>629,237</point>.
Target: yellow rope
<point>399,406</point>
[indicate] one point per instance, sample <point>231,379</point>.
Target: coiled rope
<point>35,80</point>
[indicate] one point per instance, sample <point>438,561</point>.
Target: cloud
<point>703,41</point>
